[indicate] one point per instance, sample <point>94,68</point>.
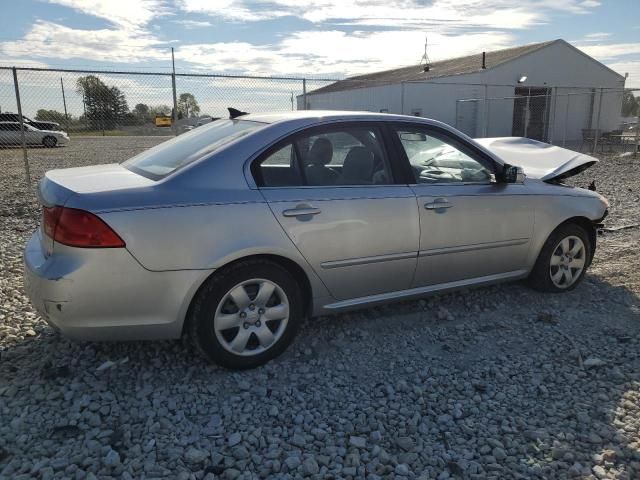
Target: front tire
<point>563,260</point>
<point>246,315</point>
<point>49,141</point>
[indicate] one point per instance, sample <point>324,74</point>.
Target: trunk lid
<point>70,187</point>
<point>60,184</point>
<point>539,160</point>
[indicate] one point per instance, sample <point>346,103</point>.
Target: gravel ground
<point>499,382</point>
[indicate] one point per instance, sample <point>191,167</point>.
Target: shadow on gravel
<point>497,382</point>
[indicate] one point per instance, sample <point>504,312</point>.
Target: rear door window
<point>281,168</point>
<point>329,156</point>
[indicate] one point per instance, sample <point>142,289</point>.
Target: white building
<point>547,91</point>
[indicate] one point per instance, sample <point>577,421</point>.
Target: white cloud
<point>130,14</point>
<point>336,52</point>
<point>631,67</point>
<point>445,14</point>
<point>230,9</point>
<point>611,50</point>
<point>51,40</point>
<point>596,36</point>
<point>191,24</point>
<point>21,62</point>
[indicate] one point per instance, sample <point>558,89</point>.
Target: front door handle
<point>438,204</point>
<point>301,210</point>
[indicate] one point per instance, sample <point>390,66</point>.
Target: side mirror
<point>513,174</point>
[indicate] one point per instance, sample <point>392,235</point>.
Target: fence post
<point>485,112</point>
<point>22,139</point>
<point>551,122</point>
<point>637,149</point>
<point>527,115</point>
<point>457,103</point>
<point>566,120</point>
<point>597,135</point>
<point>401,98</point>
<point>304,94</point>
<point>175,97</point>
<point>64,103</point>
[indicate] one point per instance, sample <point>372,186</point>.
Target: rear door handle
<point>301,211</point>
<point>438,204</point>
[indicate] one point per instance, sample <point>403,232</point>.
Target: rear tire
<point>563,260</point>
<point>49,141</point>
<point>246,315</point>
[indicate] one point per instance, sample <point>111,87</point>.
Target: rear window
<point>169,156</point>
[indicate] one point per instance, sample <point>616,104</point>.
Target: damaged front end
<point>543,161</point>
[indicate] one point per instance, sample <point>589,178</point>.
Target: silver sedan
<point>11,134</point>
<point>234,232</point>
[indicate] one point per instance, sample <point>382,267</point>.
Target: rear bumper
<point>105,294</point>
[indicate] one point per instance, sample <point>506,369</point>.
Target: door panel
<point>484,230</point>
<point>360,240</point>
<point>31,137</point>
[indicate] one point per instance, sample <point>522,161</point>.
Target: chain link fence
<point>59,117</point>
<point>50,114</point>
<point>584,120</point>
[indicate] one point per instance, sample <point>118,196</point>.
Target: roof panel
<point>442,68</point>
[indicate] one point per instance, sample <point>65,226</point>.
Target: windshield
<point>166,158</point>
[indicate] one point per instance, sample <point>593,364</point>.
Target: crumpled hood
<point>538,159</point>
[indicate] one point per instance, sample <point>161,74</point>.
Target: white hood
<point>538,159</point>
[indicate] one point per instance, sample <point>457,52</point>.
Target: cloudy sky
<point>310,37</point>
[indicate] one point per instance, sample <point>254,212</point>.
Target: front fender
<point>551,212</point>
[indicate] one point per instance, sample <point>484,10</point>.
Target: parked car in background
<point>39,124</point>
<point>10,135</point>
<point>235,231</point>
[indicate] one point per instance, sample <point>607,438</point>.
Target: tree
<point>187,105</point>
<point>141,109</point>
<point>141,113</point>
<point>105,106</point>
<point>50,116</point>
<point>159,110</point>
<point>630,104</point>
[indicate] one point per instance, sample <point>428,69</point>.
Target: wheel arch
<point>588,226</point>
<point>46,137</point>
<point>291,266</point>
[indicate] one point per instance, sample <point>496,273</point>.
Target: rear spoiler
<point>235,113</point>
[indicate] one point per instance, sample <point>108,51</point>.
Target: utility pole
<point>175,98</point>
<point>64,102</point>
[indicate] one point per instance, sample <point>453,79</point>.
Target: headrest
<point>321,152</point>
<point>358,166</point>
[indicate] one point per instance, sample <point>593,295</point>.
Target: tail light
<point>78,228</point>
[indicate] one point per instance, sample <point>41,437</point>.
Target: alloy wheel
<point>567,262</point>
<point>251,317</point>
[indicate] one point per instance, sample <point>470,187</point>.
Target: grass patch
<point>98,133</point>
